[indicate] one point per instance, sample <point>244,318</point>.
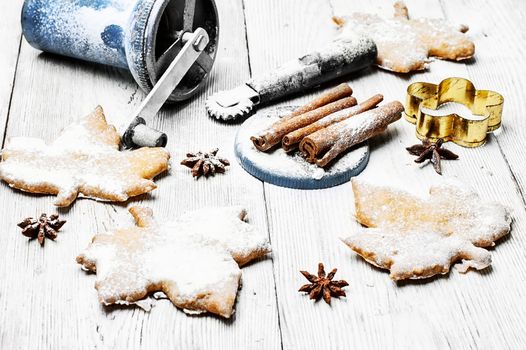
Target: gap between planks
<point>62,89</point>
<point>11,94</point>
<point>11,38</point>
<point>402,320</point>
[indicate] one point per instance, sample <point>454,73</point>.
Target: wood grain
<point>47,302</point>
<point>498,29</point>
<point>45,298</point>
<point>477,310</point>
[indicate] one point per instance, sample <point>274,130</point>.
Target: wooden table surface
<point>47,302</point>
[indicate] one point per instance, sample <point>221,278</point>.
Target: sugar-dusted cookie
<point>420,237</point>
<point>405,44</point>
<point>85,159</point>
<point>193,260</point>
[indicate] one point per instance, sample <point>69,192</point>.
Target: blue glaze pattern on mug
<point>120,33</point>
<point>91,30</point>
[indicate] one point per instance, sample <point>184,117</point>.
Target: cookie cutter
<point>453,127</point>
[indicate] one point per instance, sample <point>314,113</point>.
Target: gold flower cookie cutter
<point>453,127</point>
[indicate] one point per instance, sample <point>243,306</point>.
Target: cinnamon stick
<point>267,138</point>
<point>275,133</point>
<point>291,140</point>
<point>339,137</point>
<point>334,94</point>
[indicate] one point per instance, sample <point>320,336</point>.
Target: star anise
<point>323,285</point>
<point>432,151</point>
<point>43,227</point>
<point>205,163</point>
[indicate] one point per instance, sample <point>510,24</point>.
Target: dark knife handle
<point>339,58</point>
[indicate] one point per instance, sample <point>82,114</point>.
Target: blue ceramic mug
<point>142,36</point>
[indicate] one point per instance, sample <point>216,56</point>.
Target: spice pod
<point>291,170</point>
<point>453,127</point>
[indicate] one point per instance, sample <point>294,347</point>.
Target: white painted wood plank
<point>485,169</point>
<point>499,30</point>
<point>477,310</point>
<point>304,225</point>
<point>10,33</point>
<point>472,311</point>
<point>46,301</point>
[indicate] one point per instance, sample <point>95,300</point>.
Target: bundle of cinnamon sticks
<point>329,125</point>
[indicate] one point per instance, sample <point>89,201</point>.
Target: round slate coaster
<point>292,170</point>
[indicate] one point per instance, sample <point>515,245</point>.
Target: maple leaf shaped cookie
<point>405,44</point>
<point>84,159</point>
<point>193,260</point>
<point>418,238</point>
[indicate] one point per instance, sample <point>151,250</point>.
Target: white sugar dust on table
<point>57,305</point>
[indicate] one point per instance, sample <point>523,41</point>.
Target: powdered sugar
<point>63,170</point>
<point>339,57</point>
<point>416,254</point>
<point>192,260</point>
<point>91,31</point>
<point>418,237</point>
<point>405,44</point>
<point>84,158</point>
<point>397,43</point>
<point>92,22</point>
<point>359,124</point>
